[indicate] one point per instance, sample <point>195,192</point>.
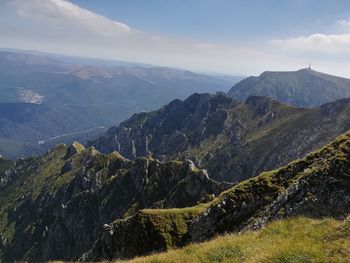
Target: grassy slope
<point>291,240</point>
<point>35,176</point>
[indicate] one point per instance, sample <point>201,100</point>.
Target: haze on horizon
<point>222,36</point>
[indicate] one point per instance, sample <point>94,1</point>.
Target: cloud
<point>59,26</point>
<point>332,44</point>
<point>64,13</point>
<point>343,22</point>
<point>62,27</point>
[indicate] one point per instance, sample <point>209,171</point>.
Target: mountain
<point>233,140</point>
<point>52,99</point>
<point>303,88</point>
<point>316,186</point>
<point>75,202</point>
<point>56,205</point>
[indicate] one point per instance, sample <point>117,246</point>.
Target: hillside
<point>44,96</point>
<point>299,240</point>
<point>227,137</point>
<point>314,187</point>
<point>303,88</point>
<point>56,205</point>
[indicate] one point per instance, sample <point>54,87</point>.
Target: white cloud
<point>62,27</point>
<point>59,26</point>
<point>332,44</point>
<point>343,22</point>
<point>64,13</point>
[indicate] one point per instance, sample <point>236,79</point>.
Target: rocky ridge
<point>228,137</point>
<point>316,186</point>
<point>55,206</point>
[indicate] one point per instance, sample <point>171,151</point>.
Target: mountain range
<point>75,202</point>
<point>227,137</point>
<point>52,99</point>
<point>193,170</point>
<point>316,186</point>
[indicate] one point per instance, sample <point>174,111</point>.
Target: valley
<point>44,96</point>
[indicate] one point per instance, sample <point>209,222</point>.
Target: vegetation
<point>233,140</point>
<point>316,186</point>
<point>172,224</point>
<point>291,240</point>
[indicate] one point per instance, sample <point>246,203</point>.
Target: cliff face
<point>315,186</point>
<point>55,206</point>
<point>232,140</point>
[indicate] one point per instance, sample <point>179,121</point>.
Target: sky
<point>234,37</point>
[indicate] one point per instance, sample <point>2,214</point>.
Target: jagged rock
<point>74,149</point>
<point>316,186</point>
<point>232,140</point>
<point>61,205</point>
<point>68,166</point>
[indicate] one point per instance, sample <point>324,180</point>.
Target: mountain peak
<point>304,88</point>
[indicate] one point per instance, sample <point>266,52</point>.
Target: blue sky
<point>223,19</point>
<point>219,36</point>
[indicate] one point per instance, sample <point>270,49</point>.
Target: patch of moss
<point>172,224</point>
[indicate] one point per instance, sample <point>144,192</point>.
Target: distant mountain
<point>45,96</point>
<point>304,88</point>
<point>56,205</point>
<point>316,186</point>
<point>233,140</point>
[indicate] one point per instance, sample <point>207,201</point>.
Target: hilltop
<point>303,88</point>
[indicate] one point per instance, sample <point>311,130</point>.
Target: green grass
<point>291,240</point>
<point>298,239</point>
<point>171,224</point>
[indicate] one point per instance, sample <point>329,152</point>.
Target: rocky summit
<point>233,140</point>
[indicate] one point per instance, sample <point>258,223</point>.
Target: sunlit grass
<point>291,240</point>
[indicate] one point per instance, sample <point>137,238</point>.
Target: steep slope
<point>299,240</point>
<point>304,88</point>
<point>55,206</point>
<point>227,137</point>
<point>81,97</point>
<point>316,186</point>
